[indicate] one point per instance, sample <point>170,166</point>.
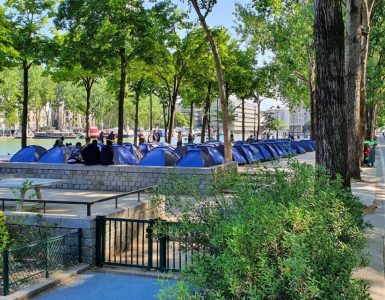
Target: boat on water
<point>56,135</point>
<point>30,134</point>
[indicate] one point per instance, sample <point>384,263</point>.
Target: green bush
<point>4,235</point>
<point>283,234</point>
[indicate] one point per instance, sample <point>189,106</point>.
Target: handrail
<point>87,203</point>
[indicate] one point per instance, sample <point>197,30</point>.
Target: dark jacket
<point>91,154</point>
<point>107,156</point>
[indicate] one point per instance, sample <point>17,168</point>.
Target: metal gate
<point>133,243</point>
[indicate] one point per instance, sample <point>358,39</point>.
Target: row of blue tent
<point>191,155</point>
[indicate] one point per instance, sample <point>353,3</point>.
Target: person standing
<point>101,137</point>
<point>180,139</point>
<point>191,137</point>
<point>111,136</point>
<point>151,137</point>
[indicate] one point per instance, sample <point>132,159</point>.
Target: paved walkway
<point>371,191</point>
<point>93,285</point>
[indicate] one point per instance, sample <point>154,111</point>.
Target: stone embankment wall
<point>119,178</point>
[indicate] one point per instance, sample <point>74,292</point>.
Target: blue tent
<point>246,152</point>
<point>123,157</point>
<point>54,155</point>
<point>237,156</point>
<point>195,158</point>
<point>269,147</point>
<point>308,145</point>
<point>145,148</point>
<point>28,154</point>
<point>160,156</point>
<point>288,147</point>
<point>266,154</point>
<point>283,151</point>
<point>213,152</point>
<point>257,153</point>
<point>298,147</point>
<point>183,150</point>
<point>134,150</point>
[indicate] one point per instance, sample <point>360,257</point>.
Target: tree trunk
<point>367,6</point>
<point>205,113</point>
<point>312,88</point>
<point>165,118</point>
<point>332,145</point>
<point>371,119</point>
<point>137,96</point>
<point>88,86</point>
<point>258,118</point>
<point>353,83</point>
<point>122,93</point>
<point>220,80</point>
<point>171,118</point>
<point>36,120</point>
<point>243,119</point>
<point>191,115</point>
<point>209,123</point>
<point>151,110</point>
<point>24,118</point>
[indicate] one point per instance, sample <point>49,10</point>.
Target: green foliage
<point>181,120</point>
<point>4,235</point>
<point>281,234</point>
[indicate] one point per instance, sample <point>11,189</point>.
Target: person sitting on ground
<point>57,144</point>
<point>88,141</point>
<point>250,139</point>
<point>180,139</point>
<point>75,156</point>
<point>61,141</point>
<point>111,136</point>
<point>107,154</point>
<point>91,154</point>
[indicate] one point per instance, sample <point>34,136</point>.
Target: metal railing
<point>24,265</point>
<point>134,243</point>
<point>87,203</point>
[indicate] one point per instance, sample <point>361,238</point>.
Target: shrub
<point>282,234</point>
<point>4,236</point>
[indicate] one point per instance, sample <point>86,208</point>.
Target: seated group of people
<point>91,154</point>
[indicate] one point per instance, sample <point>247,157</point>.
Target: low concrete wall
<point>61,224</point>
<point>122,178</point>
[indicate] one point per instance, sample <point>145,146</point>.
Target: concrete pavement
<point>371,191</point>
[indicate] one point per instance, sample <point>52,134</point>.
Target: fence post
<point>80,245</point>
<point>100,230</point>
<point>150,241</point>
<point>163,253</point>
<point>5,273</point>
<point>46,259</point>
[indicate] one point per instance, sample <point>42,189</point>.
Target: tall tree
<point>353,84</point>
<point>28,19</point>
<point>203,9</point>
<point>332,145</point>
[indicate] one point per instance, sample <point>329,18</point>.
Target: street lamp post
<point>277,121</point>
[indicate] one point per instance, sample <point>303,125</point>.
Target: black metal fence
<point>24,265</point>
<point>138,243</point>
<point>88,203</point>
